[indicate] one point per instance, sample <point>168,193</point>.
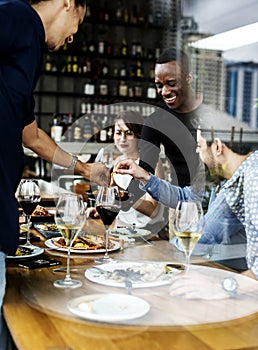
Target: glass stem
<point>28,230</point>
<point>68,277</point>
<point>187,261</point>
<point>106,240</point>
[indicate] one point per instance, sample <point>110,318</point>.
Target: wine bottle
<point>124,48</point>
<point>77,131</point>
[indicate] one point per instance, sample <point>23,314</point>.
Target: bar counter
<point>37,315</point>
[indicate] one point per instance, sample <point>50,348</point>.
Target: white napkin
<point>122,180</point>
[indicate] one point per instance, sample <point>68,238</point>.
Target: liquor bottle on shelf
<point>89,88</point>
<point>139,52</point>
<point>75,66</point>
<point>138,91</point>
<point>124,48</point>
<point>77,131</point>
<point>110,134</point>
<point>86,66</point>
<point>91,47</point>
<point>115,70</point>
<point>95,128</point>
<point>103,88</point>
<point>152,72</point>
<point>123,89</point>
<point>56,129</point>
<point>101,47</point>
<point>104,69</point>
<point>139,70</point>
<point>109,48</point>
<point>48,63</point>
<point>68,68</point>
<point>88,12</point>
<point>123,71</point>
<point>87,128</point>
<point>69,132</point>
<point>119,11</point>
<point>151,92</point>
<point>130,91</point>
<point>103,131</point>
<point>125,16</point>
<point>106,13</point>
<point>133,48</point>
<point>83,107</point>
<point>134,15</point>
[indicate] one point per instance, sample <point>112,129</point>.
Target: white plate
<point>36,251</point>
<point>49,243</point>
<point>152,274</point>
<point>109,307</point>
<point>123,231</point>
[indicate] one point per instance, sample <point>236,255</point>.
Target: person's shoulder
<point>158,115</point>
<point>252,162</point>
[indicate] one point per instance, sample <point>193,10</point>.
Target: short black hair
<point>174,54</point>
<point>77,2</point>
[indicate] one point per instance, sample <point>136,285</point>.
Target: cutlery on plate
<point>132,229</point>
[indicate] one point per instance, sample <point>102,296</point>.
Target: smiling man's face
<point>172,84</point>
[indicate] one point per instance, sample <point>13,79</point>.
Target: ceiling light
<point>229,40</point>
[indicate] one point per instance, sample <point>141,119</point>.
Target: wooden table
<point>34,316</point>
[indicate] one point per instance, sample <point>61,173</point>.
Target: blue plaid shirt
<point>241,193</point>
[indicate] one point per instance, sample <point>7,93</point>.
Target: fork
<point>131,229</point>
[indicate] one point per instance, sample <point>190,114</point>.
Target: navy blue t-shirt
<point>22,39</point>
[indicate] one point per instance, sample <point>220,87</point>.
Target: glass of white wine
<point>70,217</point>
<point>188,226</point>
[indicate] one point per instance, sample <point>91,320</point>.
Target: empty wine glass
<point>28,195</point>
<point>188,225</point>
<point>108,204</point>
<point>106,156</point>
<point>70,217</point>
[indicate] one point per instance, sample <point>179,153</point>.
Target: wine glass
<point>70,217</point>
<point>188,225</point>
<point>106,156</point>
<point>108,204</point>
<point>28,195</point>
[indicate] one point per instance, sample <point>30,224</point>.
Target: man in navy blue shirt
<point>27,30</point>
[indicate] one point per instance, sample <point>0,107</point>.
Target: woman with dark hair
<point>146,212</point>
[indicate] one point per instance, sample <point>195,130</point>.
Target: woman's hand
<point>92,213</point>
<point>129,167</point>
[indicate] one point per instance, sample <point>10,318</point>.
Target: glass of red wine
<point>28,195</point>
<point>108,204</point>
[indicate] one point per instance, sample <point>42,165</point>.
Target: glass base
<point>104,260</point>
<point>29,245</point>
<point>67,284</point>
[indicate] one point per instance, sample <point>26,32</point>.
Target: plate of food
<point>24,252</point>
<point>128,232</point>
<point>85,244</point>
<point>111,307</point>
<point>42,214</point>
<point>48,230</point>
<point>141,275</point>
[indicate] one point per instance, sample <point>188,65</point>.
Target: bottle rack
<point>110,61</point>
